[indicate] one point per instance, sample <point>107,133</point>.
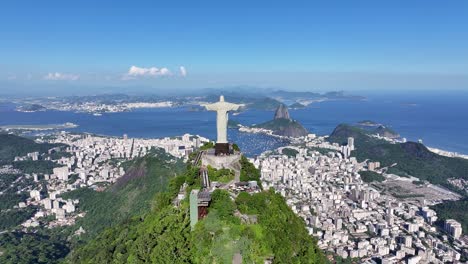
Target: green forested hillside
<point>13,217</point>
<point>284,127</point>
<point>221,175</point>
<point>37,247</point>
<point>248,171</point>
<point>370,176</point>
<point>11,146</point>
<point>278,234</point>
<point>163,235</point>
<point>457,210</point>
<point>36,166</point>
<point>410,158</point>
<point>133,194</point>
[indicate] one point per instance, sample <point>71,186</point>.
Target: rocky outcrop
<point>283,125</point>
<point>386,132</point>
<point>282,112</point>
<point>292,129</point>
<point>418,150</point>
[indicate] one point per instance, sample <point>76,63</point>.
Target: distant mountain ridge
<point>31,108</point>
<point>386,132</point>
<point>297,106</point>
<point>251,102</point>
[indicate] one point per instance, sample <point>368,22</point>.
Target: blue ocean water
<point>440,120</point>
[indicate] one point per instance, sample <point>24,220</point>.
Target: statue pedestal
<point>222,149</point>
<point>220,162</point>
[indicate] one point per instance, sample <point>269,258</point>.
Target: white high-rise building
<point>453,228</point>
<point>408,241</point>
<point>197,142</point>
<point>60,214</point>
<point>69,208</point>
<point>104,173</point>
<point>61,173</point>
<point>47,203</point>
<point>351,143</point>
<point>33,155</point>
<point>35,194</point>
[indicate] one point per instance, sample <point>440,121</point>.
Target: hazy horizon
<point>34,92</point>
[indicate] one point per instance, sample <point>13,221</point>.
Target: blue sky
<point>84,46</point>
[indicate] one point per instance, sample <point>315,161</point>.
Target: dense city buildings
<point>90,161</point>
<point>350,217</point>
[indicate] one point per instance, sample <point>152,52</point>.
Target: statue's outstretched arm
<point>233,107</point>
<point>211,107</point>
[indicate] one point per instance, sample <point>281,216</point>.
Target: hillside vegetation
<point>12,146</point>
<point>284,127</point>
<point>457,210</point>
<point>410,158</point>
<point>133,194</point>
<point>37,247</point>
<point>370,176</point>
<point>12,185</point>
<point>163,234</point>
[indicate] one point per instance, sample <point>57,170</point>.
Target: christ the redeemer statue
<point>222,108</point>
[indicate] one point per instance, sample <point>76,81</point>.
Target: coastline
<point>437,151</point>
<point>446,153</point>
<point>67,125</point>
<point>254,130</point>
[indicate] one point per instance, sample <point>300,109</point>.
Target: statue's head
<point>221,98</point>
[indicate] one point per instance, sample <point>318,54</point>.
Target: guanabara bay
<point>243,132</point>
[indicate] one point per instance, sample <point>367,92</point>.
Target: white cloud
<point>57,76</point>
<point>164,71</point>
<point>135,72</point>
<point>11,77</point>
<point>183,71</point>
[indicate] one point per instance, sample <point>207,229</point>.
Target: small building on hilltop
<point>199,202</point>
